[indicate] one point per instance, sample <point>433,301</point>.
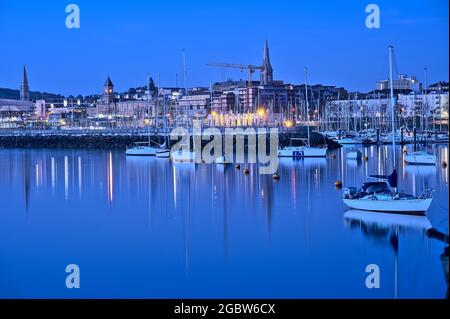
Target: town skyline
<point>344,54</point>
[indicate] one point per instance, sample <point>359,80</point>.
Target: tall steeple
<point>24,88</point>
<point>267,72</point>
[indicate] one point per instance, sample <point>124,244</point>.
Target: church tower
<point>24,88</point>
<point>108,91</point>
<point>267,71</point>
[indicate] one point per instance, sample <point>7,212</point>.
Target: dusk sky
<point>130,39</point>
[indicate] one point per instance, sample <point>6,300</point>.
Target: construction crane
<point>250,69</point>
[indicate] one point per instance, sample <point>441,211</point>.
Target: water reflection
<point>187,223</point>
<point>385,228</point>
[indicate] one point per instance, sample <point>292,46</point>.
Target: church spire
<point>267,72</point>
<point>24,88</point>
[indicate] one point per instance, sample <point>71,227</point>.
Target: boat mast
<point>307,104</point>
<point>391,84</point>
<point>148,110</point>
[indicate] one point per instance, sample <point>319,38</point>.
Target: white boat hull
<point>302,151</point>
<point>348,141</point>
<point>142,151</point>
<point>428,159</point>
<point>163,154</point>
<point>391,205</point>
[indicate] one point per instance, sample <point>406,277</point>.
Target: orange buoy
<point>338,184</point>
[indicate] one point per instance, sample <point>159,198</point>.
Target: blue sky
<point>130,39</point>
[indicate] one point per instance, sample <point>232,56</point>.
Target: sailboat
<point>145,148</point>
<point>421,157</point>
<point>164,151</point>
<point>381,194</point>
<point>305,150</point>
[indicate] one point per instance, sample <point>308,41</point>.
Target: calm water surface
<point>146,228</point>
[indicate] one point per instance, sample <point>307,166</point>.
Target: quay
<point>123,138</point>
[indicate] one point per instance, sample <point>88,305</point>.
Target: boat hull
<point>396,206</point>
<point>163,154</point>
<point>297,152</point>
<point>348,141</point>
<point>142,151</point>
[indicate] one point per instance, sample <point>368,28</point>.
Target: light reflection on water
<point>144,227</point>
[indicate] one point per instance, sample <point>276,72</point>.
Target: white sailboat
<point>305,150</point>
<point>381,195</point>
<point>144,148</point>
<point>164,151</point>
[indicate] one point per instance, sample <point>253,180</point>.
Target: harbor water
<point>142,227</point>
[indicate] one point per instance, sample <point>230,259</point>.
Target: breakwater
<point>121,140</point>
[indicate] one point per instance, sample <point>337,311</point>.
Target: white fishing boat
<point>421,158</point>
<point>354,154</point>
<point>380,195</point>
<point>305,150</point>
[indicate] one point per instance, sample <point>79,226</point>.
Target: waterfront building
<point>402,83</point>
<point>412,110</point>
<point>15,113</point>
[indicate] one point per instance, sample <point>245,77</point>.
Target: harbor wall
<point>121,141</point>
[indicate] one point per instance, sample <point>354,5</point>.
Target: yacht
<point>382,195</point>
<point>305,150</point>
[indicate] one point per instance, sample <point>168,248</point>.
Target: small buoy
<point>333,155</point>
<point>338,184</point>
<point>404,151</point>
<point>246,171</point>
<point>276,176</point>
<point>444,164</point>
<point>366,158</point>
<point>238,166</point>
